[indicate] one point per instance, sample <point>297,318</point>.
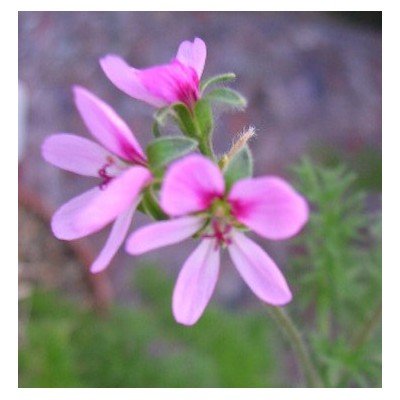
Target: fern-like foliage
<point>338,276</point>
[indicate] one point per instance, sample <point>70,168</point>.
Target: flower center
<point>221,231</point>
<point>220,208</point>
<point>104,174</point>
<point>221,223</point>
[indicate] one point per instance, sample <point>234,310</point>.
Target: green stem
<point>205,147</point>
<point>363,334</point>
<point>298,345</point>
<point>367,329</point>
<point>151,206</point>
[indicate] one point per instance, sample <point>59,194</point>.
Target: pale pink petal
<point>107,127</point>
<point>97,207</point>
<point>164,233</point>
<point>269,206</point>
<point>193,54</point>
<point>114,199</point>
<point>63,222</point>
<point>74,153</point>
<point>196,283</point>
<point>259,271</point>
<point>115,240</point>
<point>191,184</point>
<point>128,80</point>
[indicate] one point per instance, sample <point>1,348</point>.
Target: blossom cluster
<point>178,181</point>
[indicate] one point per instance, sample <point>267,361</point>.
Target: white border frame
<point>9,292</point>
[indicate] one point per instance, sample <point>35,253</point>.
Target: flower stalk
<point>298,345</point>
<point>205,147</point>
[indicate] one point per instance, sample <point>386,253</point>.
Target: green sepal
<point>141,208</point>
<point>161,114</point>
<point>150,205</point>
<point>227,96</point>
<point>221,78</point>
<point>161,151</point>
<point>159,120</point>
<point>239,167</point>
<point>155,129</point>
<point>185,121</point>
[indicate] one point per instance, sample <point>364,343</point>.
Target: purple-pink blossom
<point>195,195</point>
<point>118,161</point>
<point>161,85</point>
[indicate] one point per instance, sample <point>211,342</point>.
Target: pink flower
<point>120,164</point>
<point>194,192</point>
<point>165,84</point>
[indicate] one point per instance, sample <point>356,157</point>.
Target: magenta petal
<point>107,127</point>
<point>196,283</point>
<point>190,185</point>
<point>259,271</point>
<point>74,153</point>
<point>113,200</point>
<point>159,86</point>
<point>269,206</point>
<point>164,233</point>
<point>171,83</point>
<point>114,241</point>
<point>193,54</point>
<point>128,80</point>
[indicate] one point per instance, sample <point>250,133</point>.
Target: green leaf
<point>185,119</point>
<point>227,96</point>
<point>241,166</point>
<point>162,151</point>
<point>204,117</point>
<point>221,78</point>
